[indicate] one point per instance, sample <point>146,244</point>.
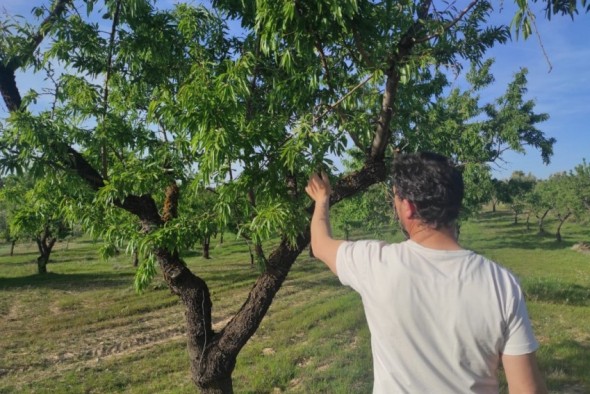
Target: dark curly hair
<point>432,183</point>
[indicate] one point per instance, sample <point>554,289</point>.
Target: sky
<point>558,81</point>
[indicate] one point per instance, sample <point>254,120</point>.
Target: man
<point>441,318</point>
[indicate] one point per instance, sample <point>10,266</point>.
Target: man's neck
<point>443,238</point>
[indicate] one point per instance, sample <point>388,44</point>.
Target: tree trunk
<point>135,257</point>
<point>260,258</point>
<point>528,221</point>
<point>251,254</point>
<point>541,222</point>
<point>515,217</point>
<point>561,222</point>
<point>206,244</point>
<point>42,264</point>
<point>12,245</point>
<point>493,206</point>
<point>45,244</point>
<point>213,355</point>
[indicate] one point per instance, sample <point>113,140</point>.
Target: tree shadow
<point>556,292</point>
<point>529,243</point>
<point>565,365</point>
<point>517,235</point>
<point>70,282</point>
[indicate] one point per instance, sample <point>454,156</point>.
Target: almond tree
<point>568,193</point>
<point>33,209</point>
<point>155,107</point>
<point>540,203</point>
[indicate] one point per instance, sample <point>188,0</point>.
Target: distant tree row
<point>565,195</point>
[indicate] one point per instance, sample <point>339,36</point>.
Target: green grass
<point>82,328</point>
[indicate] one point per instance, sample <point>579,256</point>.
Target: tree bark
<point>206,247</point>
<point>541,222</point>
<point>260,258</point>
<point>135,257</point>
<point>45,245</point>
<point>561,222</point>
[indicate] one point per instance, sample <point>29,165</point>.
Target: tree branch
<point>105,99</point>
<point>404,49</point>
<point>243,325</point>
<point>340,100</point>
<point>448,25</point>
<point>8,87</point>
<point>58,9</point>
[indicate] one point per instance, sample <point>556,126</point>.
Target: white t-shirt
<point>439,320</point>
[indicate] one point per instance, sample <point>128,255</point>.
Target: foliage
<point>524,18</point>
<point>518,188</point>
<point>176,97</point>
<point>539,203</point>
<point>565,194</point>
<point>369,212</point>
<point>33,206</point>
<point>34,211</point>
<point>581,178</point>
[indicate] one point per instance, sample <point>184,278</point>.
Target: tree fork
<point>244,324</point>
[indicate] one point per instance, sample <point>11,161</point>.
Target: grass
<point>82,328</point>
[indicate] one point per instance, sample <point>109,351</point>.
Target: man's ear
<point>408,209</point>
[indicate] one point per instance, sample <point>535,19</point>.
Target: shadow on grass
<point>517,235</point>
<point>556,292</point>
<point>532,244</point>
<point>565,365</point>
<point>77,282</point>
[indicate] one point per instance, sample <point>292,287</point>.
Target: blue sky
<point>563,92</point>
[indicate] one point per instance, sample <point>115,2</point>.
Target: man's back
<point>438,319</point>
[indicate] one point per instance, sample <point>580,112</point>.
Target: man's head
<point>432,184</point>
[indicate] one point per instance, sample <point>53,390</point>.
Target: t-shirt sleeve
<point>354,262</point>
<point>519,333</point>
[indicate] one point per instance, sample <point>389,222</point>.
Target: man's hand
<point>324,246</point>
<point>318,188</point>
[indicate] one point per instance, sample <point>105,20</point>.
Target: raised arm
<point>324,246</point>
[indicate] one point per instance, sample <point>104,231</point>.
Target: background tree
<point>499,193</point>
<point>371,210</point>
<point>4,224</point>
<point>561,194</point>
<point>34,212</point>
<point>156,99</point>
<point>581,174</point>
<point>518,186</point>
<point>540,203</point>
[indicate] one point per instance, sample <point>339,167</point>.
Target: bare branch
<point>450,24</point>
<point>105,99</point>
<point>404,49</point>
<point>337,103</point>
